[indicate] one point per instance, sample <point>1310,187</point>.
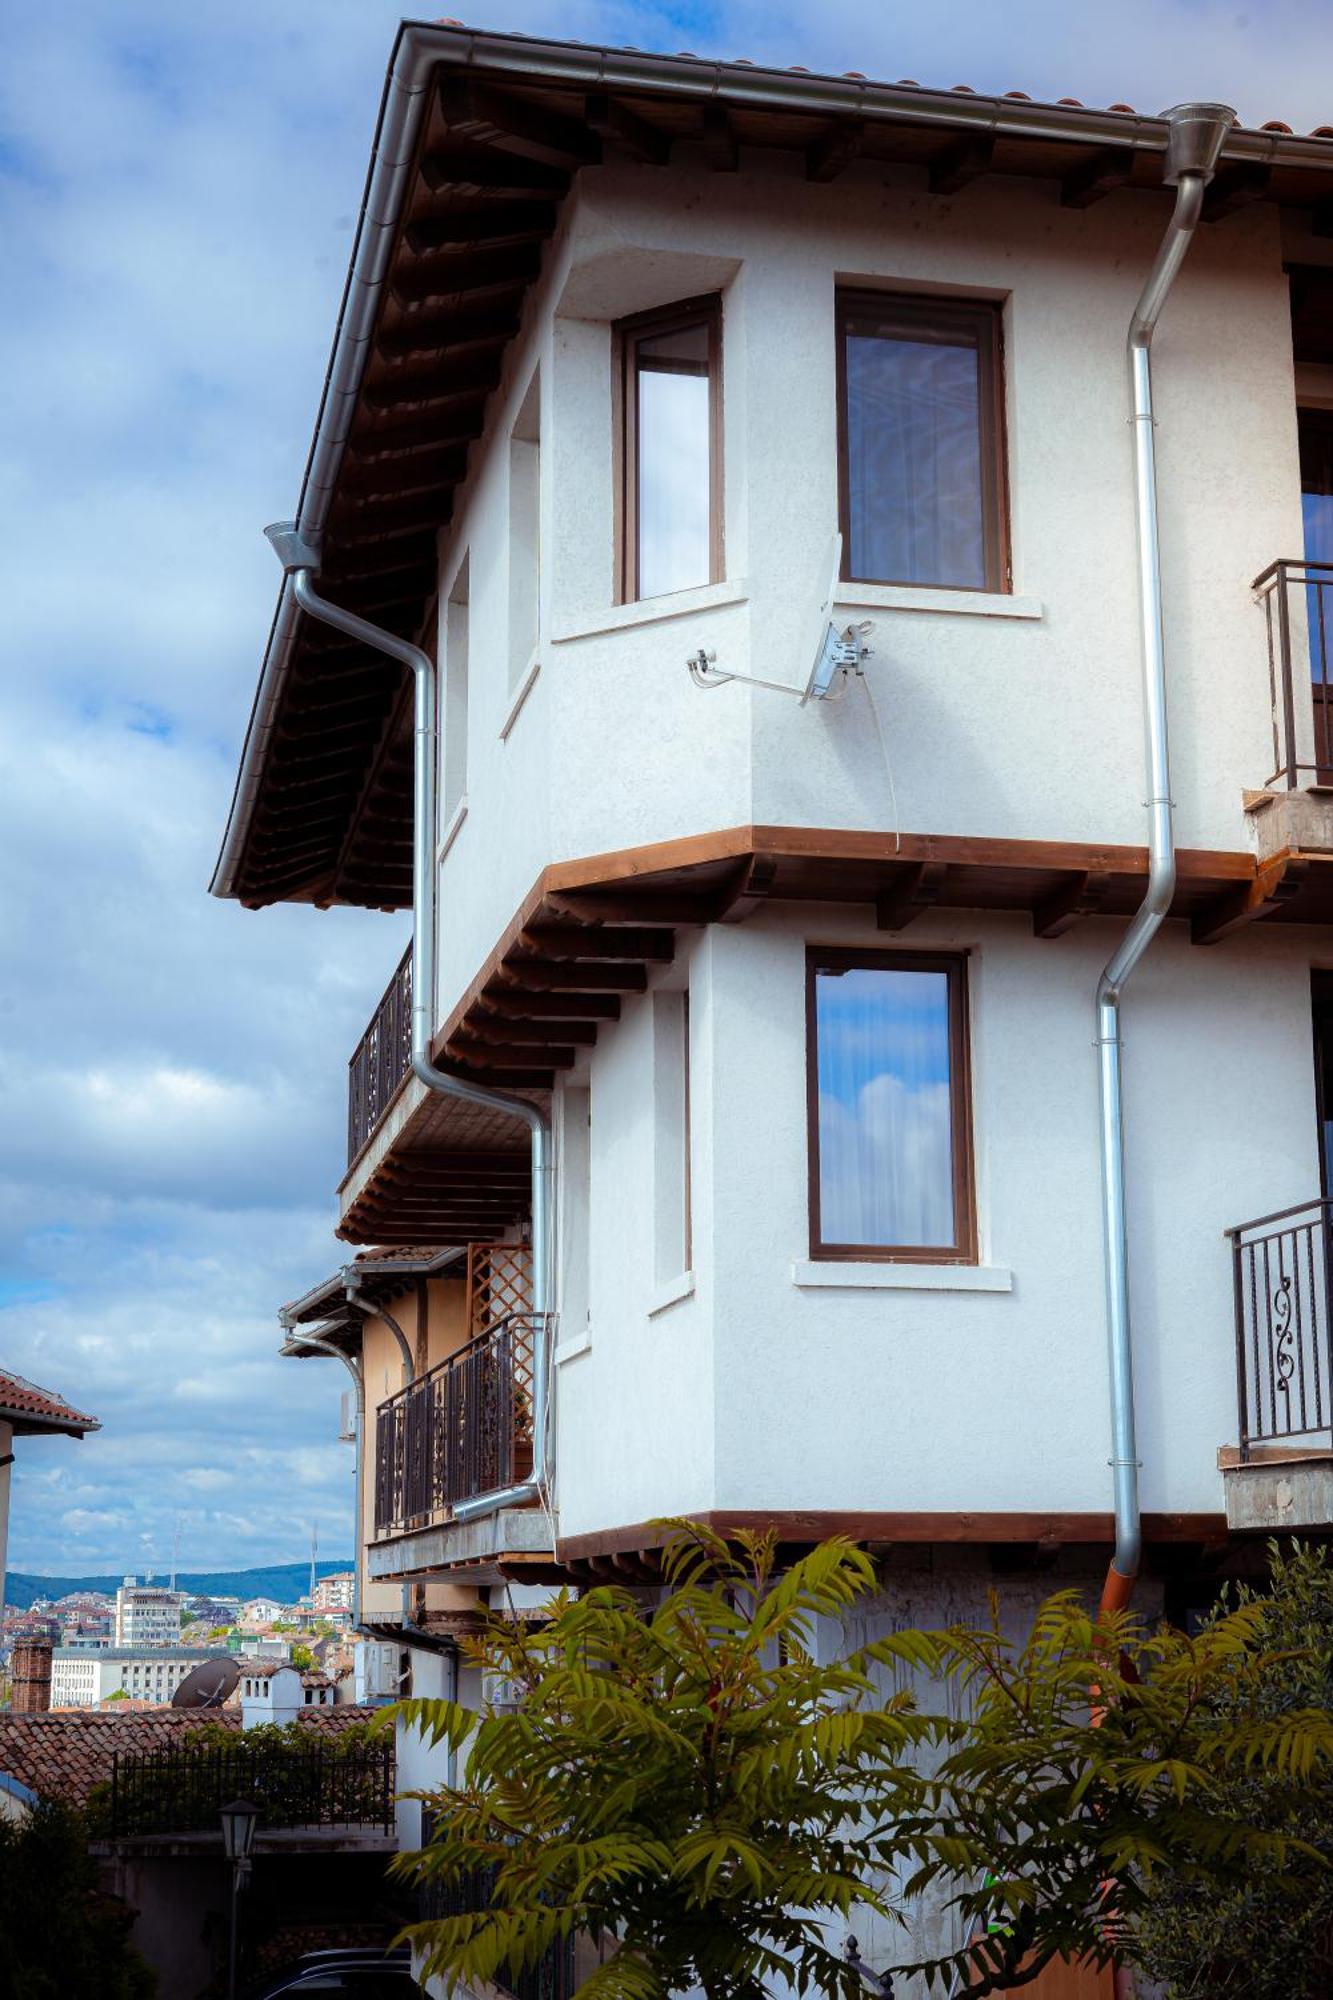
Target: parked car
<point>362,1972</point>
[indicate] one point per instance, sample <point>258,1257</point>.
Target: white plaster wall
<point>998,725</point>
<point>634,1410</point>
<point>758,1393</point>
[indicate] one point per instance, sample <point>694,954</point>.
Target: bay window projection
<point>453,755</point>
<point>524,533</point>
<point>890,1140</point>
<point>671,472</point>
<point>921,477</point>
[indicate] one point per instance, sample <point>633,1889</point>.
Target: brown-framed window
<point>921,454</point>
<point>669,385</point>
<point>889,1107</point>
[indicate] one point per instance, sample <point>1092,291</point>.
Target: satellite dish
<point>207,1686</point>
<point>830,652</point>
<point>821,655</point>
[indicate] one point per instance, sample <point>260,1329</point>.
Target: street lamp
<point>238,1834</point>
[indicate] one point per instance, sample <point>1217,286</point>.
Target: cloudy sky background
<point>177,191</point>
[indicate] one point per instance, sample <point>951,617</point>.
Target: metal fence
<point>463,1428</point>
<point>1297,602</point>
<point>1284,1367</point>
<point>381,1059</point>
<point>551,1978</point>
<point>182,1787</point>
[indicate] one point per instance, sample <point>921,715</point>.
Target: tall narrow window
<point>671,1150</point>
<point>671,475</point>
<point>524,532</point>
<point>921,442</point>
<point>890,1139</point>
<point>453,789</point>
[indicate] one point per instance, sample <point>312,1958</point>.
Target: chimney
<point>32,1676</point>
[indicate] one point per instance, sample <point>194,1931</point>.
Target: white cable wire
<point>869,687</point>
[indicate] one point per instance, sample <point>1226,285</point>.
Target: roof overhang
<point>480,137</point>
<point>376,1277</point>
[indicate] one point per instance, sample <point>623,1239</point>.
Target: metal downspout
<point>294,1341</point>
<point>1195,136</point>
<point>363,1305</point>
<point>300,556</point>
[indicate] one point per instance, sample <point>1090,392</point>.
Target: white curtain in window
<point>885,1137</point>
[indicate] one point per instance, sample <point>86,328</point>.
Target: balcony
<point>381,1060</point>
<point>1280,1476</point>
<point>1294,810</point>
<point>461,1430</point>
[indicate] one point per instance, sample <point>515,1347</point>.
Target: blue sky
<point>177,192</point>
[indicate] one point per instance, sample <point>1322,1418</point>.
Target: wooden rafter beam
<point>718,137</point>
<point>1099,175</point>
<point>746,889</point>
<point>961,162</point>
<point>448,277</point>
<point>530,1006</point>
<point>497,222</point>
<point>834,150</point>
<point>915,888</point>
<point>610,119</point>
<point>478,115</point>
<point>1082,894</point>
<point>1276,882</point>
<point>489,172</point>
<point>598,941</point>
<point>549,975</point>
<point>1235,188</point>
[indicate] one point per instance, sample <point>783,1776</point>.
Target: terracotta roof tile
<point>63,1753</point>
<point>25,1404</point>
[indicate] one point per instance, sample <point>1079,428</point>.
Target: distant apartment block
<point>146,1615</point>
<point>335,1593</point>
<point>81,1679</point>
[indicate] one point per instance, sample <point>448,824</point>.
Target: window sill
<point>570,1350</point>
<point>521,693</point>
<point>451,831</point>
<point>652,611</point>
<point>912,597</point>
<point>671,1293</point>
<point>831,1275</point>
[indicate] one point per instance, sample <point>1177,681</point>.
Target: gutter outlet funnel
<point>1195,136</point>
<point>293,549</point>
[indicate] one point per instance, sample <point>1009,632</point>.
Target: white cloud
<point>176,192</point>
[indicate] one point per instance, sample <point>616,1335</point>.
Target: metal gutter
<point>421,46</point>
<point>1197,132</point>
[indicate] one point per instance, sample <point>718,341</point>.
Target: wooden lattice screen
<point>499,1282</point>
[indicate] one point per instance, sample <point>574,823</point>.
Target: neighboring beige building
<point>146,1615</point>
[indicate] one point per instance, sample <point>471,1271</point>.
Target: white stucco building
<point>80,1679</point>
<point>803,992</point>
<point>146,1614</point>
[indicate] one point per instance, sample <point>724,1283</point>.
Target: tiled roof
<point>63,1753</point>
<point>29,1408</point>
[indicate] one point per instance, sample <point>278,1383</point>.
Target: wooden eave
<point>510,125</point>
<point>593,931</point>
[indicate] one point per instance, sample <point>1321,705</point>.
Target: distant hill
<point>284,1581</point>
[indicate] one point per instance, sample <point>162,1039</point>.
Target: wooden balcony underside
<point>593,931</point>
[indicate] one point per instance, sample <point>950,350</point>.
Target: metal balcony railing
<point>182,1788</point>
<point>381,1060</point>
<point>1297,602</point>
<point>1284,1364</point>
<point>551,1978</point>
<point>462,1429</point>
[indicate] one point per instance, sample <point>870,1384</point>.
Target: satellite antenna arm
<point>834,655</point>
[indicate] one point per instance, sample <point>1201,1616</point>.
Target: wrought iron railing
<point>182,1787</point>
<point>1297,602</point>
<point>381,1060</point>
<point>461,1429</point>
<point>1284,1363</point>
